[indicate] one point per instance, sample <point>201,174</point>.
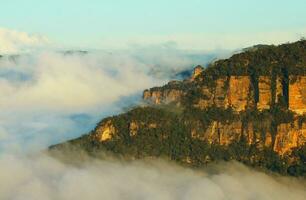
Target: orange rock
<point>289,136</point>
<point>278,89</point>
<point>196,72</point>
<point>160,96</point>
<point>265,96</point>
<point>216,96</point>
<point>105,131</point>
<point>297,94</point>
<point>230,132</point>
<point>239,93</point>
<point>133,128</point>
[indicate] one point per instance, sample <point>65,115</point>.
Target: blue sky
<point>98,23</point>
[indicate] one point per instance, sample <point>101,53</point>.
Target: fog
<point>43,178</point>
<point>12,41</point>
<point>49,96</point>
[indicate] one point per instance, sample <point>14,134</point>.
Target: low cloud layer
<point>12,41</point>
<point>51,96</point>
<point>59,82</point>
<point>42,178</point>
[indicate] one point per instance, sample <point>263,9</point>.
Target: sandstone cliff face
<point>105,131</point>
<point>237,92</point>
<point>240,93</point>
<point>133,128</point>
<point>288,136</point>
<point>278,89</point>
<point>214,96</point>
<point>172,92</point>
<point>233,91</point>
<point>161,96</point>
<point>265,93</point>
<point>196,72</point>
<point>297,94</point>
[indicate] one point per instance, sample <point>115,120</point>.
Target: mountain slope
<point>250,107</point>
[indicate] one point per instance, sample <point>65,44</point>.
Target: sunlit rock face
<point>105,131</point>
<point>265,93</point>
<point>163,96</point>
<point>196,72</point>
<point>297,94</point>
<point>233,91</point>
<point>173,92</point>
<point>237,92</point>
<point>133,128</point>
<point>278,89</point>
<point>287,137</point>
<point>214,96</point>
<point>240,94</point>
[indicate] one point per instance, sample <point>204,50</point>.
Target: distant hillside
<point>250,107</point>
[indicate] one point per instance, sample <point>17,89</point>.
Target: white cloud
<point>12,41</point>
<point>42,91</point>
<point>43,178</point>
<point>59,82</point>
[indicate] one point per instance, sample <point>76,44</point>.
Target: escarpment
<point>237,92</point>
<point>250,107</point>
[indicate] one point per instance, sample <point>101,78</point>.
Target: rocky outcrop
<point>163,96</point>
<point>214,96</point>
<point>196,72</point>
<point>133,128</point>
<point>237,92</point>
<point>105,131</point>
<point>287,137</point>
<point>297,94</point>
<point>264,93</point>
<point>233,91</point>
<point>278,90</point>
<point>240,94</point>
<point>173,92</point>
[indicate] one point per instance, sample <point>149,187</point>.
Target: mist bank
<point>50,96</point>
<point>42,177</point>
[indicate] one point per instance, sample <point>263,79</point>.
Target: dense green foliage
<point>263,61</point>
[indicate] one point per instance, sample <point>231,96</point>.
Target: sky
<point>192,24</point>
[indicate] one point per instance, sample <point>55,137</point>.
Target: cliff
<point>250,107</point>
<point>237,92</point>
